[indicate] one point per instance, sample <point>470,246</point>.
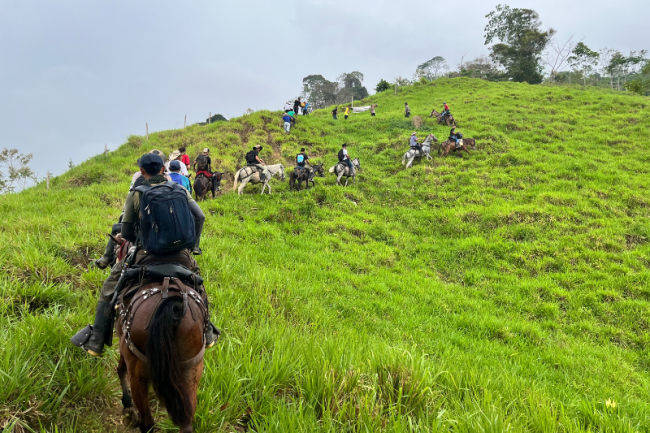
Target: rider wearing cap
<point>176,176</point>
<point>151,167</point>
<point>414,143</point>
<point>445,111</point>
<point>265,173</point>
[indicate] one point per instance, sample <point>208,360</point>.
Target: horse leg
<point>140,390</point>
<point>130,415</point>
<point>338,179</point>
<point>244,182</point>
<point>193,385</point>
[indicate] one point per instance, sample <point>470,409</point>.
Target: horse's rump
<point>139,305</point>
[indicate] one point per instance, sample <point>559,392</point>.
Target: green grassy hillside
<point>508,290</point>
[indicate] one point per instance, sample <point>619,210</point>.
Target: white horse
<point>248,174</point>
<point>341,169</point>
<point>414,153</point>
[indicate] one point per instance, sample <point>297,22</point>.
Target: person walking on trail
<point>296,105</point>
<point>455,137</point>
<point>253,160</point>
<point>344,157</point>
<point>407,110</point>
<point>203,164</point>
<point>372,109</point>
<point>174,169</point>
<point>287,122</point>
<point>414,143</point>
<point>287,107</point>
<point>171,243</point>
<point>305,108</point>
<point>335,111</point>
<point>347,113</point>
<point>302,161</point>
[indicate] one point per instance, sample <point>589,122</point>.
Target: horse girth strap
<point>176,289</point>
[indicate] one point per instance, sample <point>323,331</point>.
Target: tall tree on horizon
<point>521,42</point>
<point>584,59</point>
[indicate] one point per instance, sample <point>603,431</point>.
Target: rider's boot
<point>211,332</point>
<point>92,338</point>
<point>109,255</point>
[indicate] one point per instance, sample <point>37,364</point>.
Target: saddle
<point>158,291</point>
<point>249,170</point>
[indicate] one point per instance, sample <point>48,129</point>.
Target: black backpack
<point>166,222</point>
<point>250,157</point>
<point>202,162</point>
<point>341,155</point>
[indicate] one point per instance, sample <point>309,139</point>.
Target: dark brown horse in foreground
<point>203,185</point>
<point>448,120</point>
<point>450,145</point>
<point>162,344</point>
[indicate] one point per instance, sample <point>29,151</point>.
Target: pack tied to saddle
<point>166,221</point>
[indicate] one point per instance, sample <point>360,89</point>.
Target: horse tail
<point>234,187</point>
<point>439,148</point>
<point>332,169</point>
<point>167,376</point>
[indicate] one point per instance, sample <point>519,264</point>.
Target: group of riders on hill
<point>163,224</point>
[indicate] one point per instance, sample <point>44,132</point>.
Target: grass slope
<point>504,291</point>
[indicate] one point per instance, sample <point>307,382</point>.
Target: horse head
<point>318,169</point>
<point>356,163</point>
<point>282,176</point>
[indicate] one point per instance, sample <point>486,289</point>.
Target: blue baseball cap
<point>174,165</point>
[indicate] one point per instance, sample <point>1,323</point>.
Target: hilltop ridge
<point>507,289</point>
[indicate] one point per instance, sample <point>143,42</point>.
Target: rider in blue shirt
<point>174,168</point>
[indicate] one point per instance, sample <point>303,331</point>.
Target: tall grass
<point>503,291</point>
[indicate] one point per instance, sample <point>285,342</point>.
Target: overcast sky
<point>77,74</point>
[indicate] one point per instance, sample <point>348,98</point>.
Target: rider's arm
<point>130,217</point>
<point>259,160</point>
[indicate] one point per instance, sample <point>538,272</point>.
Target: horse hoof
<point>130,417</point>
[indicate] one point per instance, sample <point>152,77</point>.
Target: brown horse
<point>450,145</point>
<point>203,185</point>
<point>162,344</point>
<point>448,120</point>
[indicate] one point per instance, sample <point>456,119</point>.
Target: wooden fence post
<point>48,180</point>
<point>147,130</point>
<point>209,117</point>
<point>185,121</point>
<point>105,149</point>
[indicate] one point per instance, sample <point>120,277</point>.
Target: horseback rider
<point>93,338</point>
<point>455,137</point>
<point>345,158</point>
<point>174,173</point>
<point>445,111</point>
<point>414,143</point>
<point>108,259</point>
<point>176,156</point>
<point>253,160</point>
<point>302,162</point>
